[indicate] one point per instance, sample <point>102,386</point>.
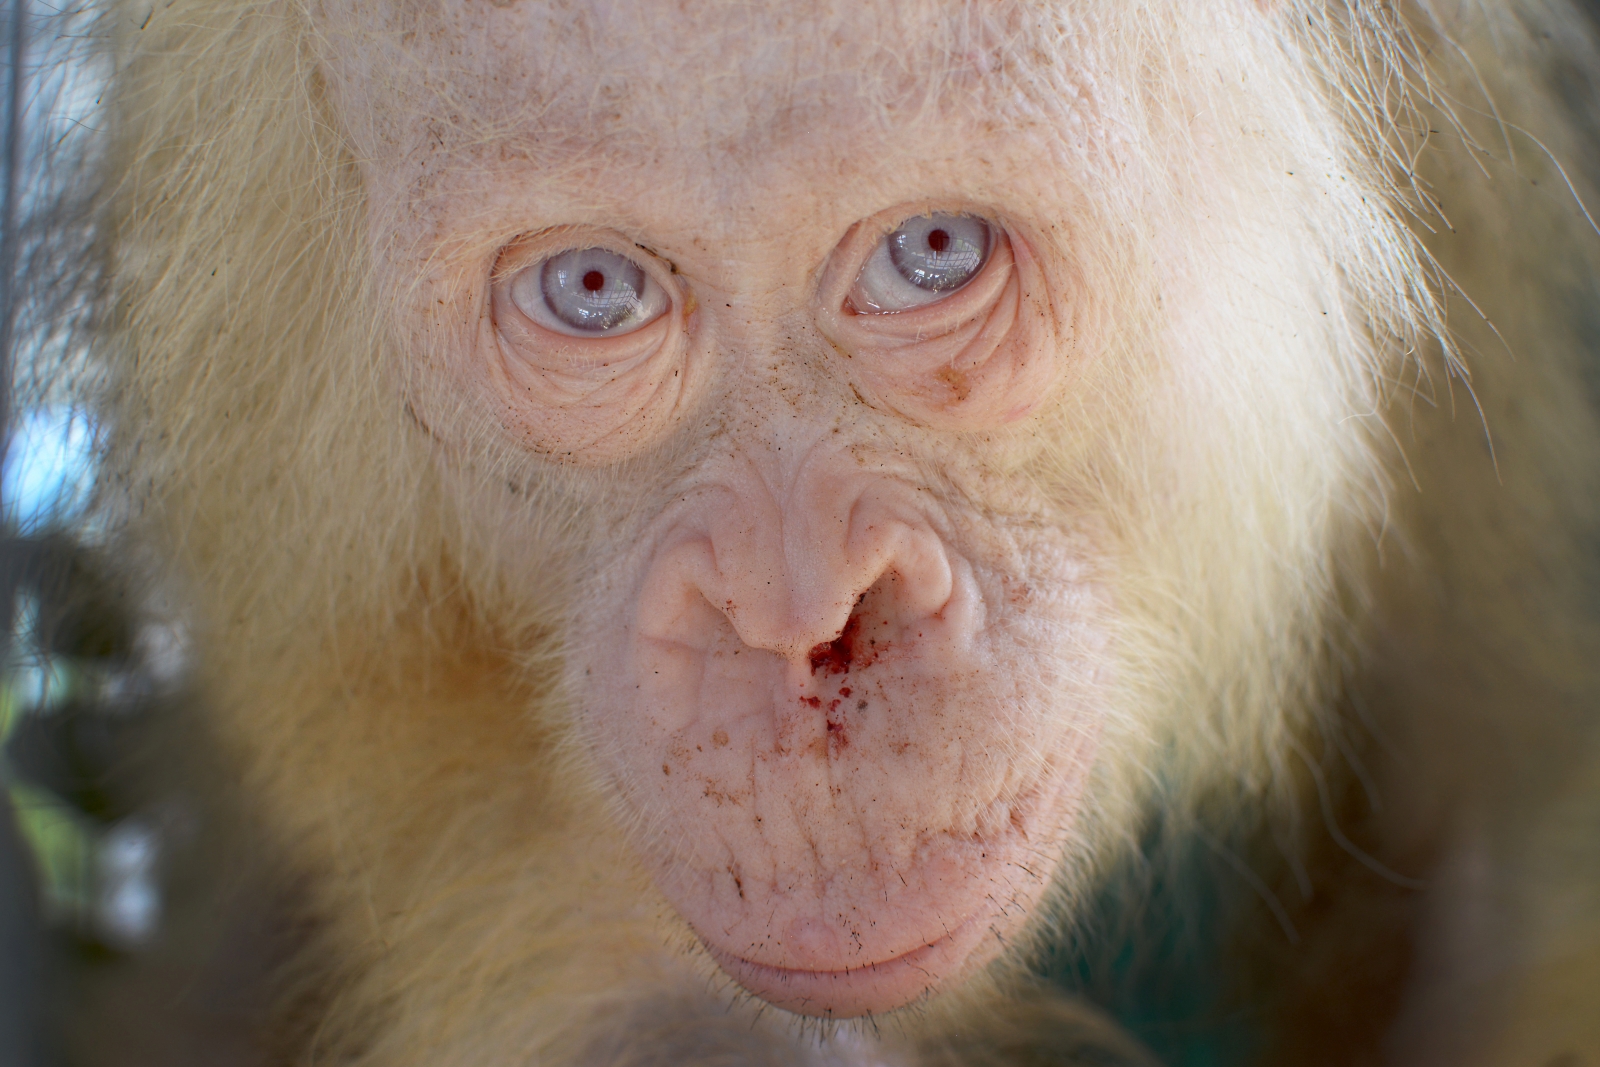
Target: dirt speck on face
<point>960,387</point>
<point>838,737</point>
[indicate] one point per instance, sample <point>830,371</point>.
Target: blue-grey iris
<point>939,252</point>
<point>592,289</point>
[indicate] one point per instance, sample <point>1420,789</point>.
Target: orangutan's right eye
<point>588,292</point>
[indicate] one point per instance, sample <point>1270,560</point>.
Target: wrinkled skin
<point>841,663</point>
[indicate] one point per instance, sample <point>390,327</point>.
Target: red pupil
<point>938,240</point>
<point>594,281</point>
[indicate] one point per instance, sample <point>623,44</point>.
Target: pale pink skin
<point>849,820</point>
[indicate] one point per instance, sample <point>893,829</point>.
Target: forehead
<point>564,77</point>
<point>715,133</point>
<point>729,70</point>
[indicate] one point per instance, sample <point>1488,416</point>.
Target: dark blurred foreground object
<point>77,871</point>
<point>122,940</point>
<point>21,950</point>
<point>150,927</point>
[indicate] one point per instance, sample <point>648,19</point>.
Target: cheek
<point>579,405</point>
<point>848,828</point>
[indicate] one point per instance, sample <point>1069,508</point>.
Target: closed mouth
<point>867,989</point>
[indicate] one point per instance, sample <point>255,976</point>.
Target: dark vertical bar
<point>16,28</point>
<point>22,950</point>
<point>22,947</point>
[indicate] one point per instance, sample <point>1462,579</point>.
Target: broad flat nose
<point>785,569</point>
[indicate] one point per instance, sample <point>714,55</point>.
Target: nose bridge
<point>786,573</point>
<point>827,565</point>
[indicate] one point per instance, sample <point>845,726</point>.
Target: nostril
<point>837,656</point>
<point>877,622</point>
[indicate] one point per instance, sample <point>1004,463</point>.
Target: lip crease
<point>870,988</point>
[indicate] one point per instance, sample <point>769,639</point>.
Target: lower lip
<point>870,989</point>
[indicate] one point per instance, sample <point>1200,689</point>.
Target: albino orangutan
<point>881,533</point>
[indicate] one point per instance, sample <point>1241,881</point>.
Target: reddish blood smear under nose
<point>835,655</point>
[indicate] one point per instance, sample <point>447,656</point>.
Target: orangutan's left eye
<point>924,260</point>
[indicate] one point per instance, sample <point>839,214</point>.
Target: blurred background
<point>134,925</point>
<point>95,826</point>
